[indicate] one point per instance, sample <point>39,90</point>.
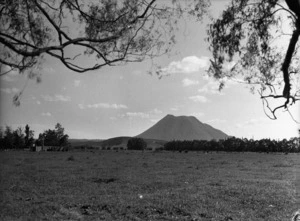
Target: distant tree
<point>50,138</point>
<point>29,136</point>
<point>136,144</point>
<point>247,34</point>
<point>111,32</point>
<point>236,145</point>
<point>8,140</point>
<point>1,138</point>
<point>59,130</point>
<point>294,144</point>
<point>40,140</point>
<point>61,136</point>
<point>18,138</point>
<point>64,140</point>
<point>55,137</point>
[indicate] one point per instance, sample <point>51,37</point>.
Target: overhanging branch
<point>124,30</point>
<point>287,62</point>
<point>273,111</point>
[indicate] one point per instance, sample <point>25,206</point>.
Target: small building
<point>38,148</point>
<point>41,148</point>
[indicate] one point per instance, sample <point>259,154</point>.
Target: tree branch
<point>287,61</point>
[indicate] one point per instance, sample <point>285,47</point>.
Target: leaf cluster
<point>245,31</point>
<point>112,32</point>
<point>16,139</point>
<point>248,42</point>
<point>55,137</point>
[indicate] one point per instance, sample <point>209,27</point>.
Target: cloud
<point>187,65</point>
<point>81,106</point>
<point>143,115</point>
<point>216,121</point>
<point>199,98</point>
<point>197,114</point>
<point>10,75</point>
<point>102,106</point>
<point>188,82</point>
<point>57,97</point>
<point>253,122</point>
<point>8,78</point>
<point>35,99</point>
<point>77,83</point>
<point>155,111</point>
<point>10,90</point>
<point>212,87</point>
<point>174,108</point>
<point>136,114</point>
<point>47,114</point>
<point>48,70</point>
<point>154,120</point>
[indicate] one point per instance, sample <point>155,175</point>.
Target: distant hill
<point>182,128</point>
<point>122,142</point>
<point>113,142</point>
<point>116,141</point>
<point>85,142</point>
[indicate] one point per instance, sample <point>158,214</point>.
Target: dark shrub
<point>136,144</point>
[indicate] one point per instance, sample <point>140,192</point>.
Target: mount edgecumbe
<point>182,128</point>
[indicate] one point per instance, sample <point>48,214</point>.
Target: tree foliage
<point>237,145</point>
<point>14,139</point>
<point>250,35</point>
<point>112,32</point>
<point>8,138</point>
<point>55,137</point>
<point>20,138</point>
<point>29,136</point>
<point>107,32</point>
<point>136,144</point>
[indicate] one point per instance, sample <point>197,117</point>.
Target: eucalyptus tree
<point>18,138</point>
<point>258,40</point>
<point>29,136</point>
<point>55,137</point>
<point>108,32</point>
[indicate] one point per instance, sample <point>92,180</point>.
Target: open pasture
<point>132,185</point>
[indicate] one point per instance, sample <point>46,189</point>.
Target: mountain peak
<point>169,115</point>
<point>193,118</point>
<point>180,116</point>
<point>182,128</point>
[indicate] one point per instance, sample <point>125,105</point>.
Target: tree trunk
<point>294,5</point>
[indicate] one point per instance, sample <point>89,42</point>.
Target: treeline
<point>24,138</point>
<point>16,139</point>
<point>237,145</point>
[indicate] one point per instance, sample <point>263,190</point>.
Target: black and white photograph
<point>134,110</point>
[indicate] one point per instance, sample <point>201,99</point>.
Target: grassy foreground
<point>129,185</point>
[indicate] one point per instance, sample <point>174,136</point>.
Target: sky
<point>126,100</point>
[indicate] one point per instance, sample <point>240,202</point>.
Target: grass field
<point>125,185</point>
